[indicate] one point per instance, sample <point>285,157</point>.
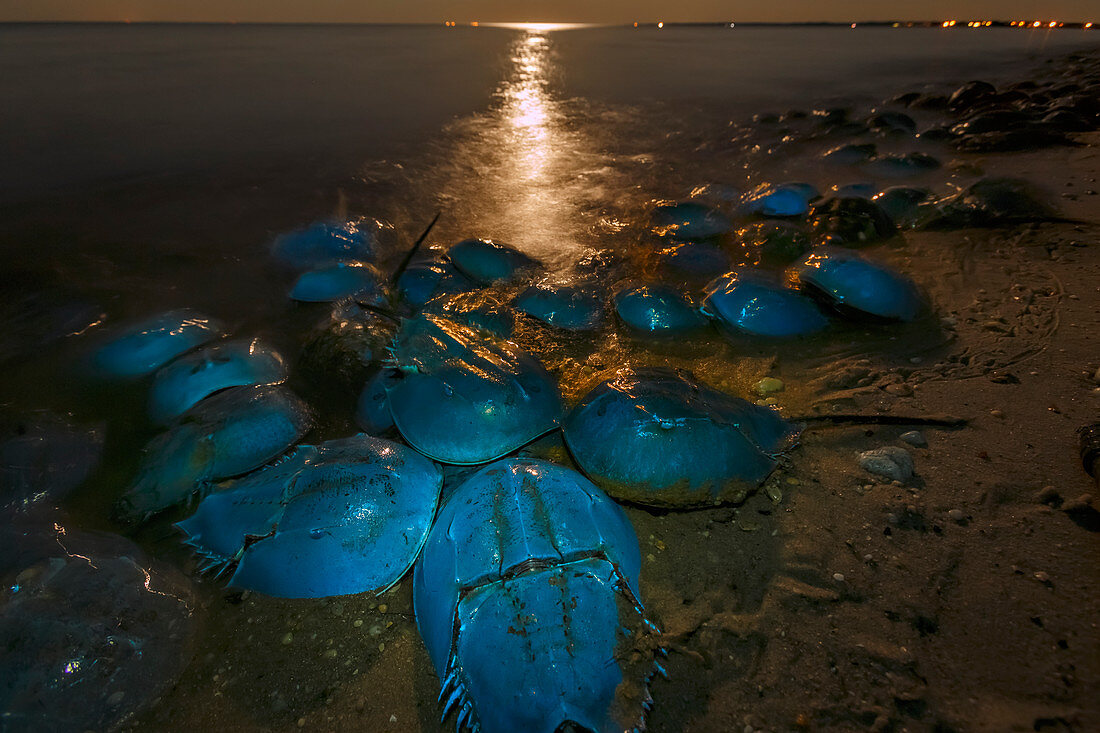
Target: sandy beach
<point>965,597</point>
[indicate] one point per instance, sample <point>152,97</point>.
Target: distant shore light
<point>661,24</point>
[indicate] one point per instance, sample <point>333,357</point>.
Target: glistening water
<point>147,168</point>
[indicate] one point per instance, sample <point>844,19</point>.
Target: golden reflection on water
<point>518,166</point>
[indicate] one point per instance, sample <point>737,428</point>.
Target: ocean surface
<point>144,168</point>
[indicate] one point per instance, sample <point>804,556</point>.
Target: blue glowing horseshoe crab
<point>783,200</point>
<point>372,409</point>
<point>657,310</point>
<point>754,303</point>
<point>191,378</point>
<point>327,242</point>
<point>229,434</point>
<point>145,346</point>
<point>421,281</point>
<point>856,287</point>
<point>658,437</point>
<point>569,307</point>
<point>342,280</point>
<point>526,595</point>
<point>688,220</point>
<point>486,262</point>
<point>348,516</point>
<point>465,397</point>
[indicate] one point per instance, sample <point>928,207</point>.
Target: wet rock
<point>891,462</point>
<point>914,438</point>
<point>768,386</point>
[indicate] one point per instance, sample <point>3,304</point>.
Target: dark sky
<point>597,11</point>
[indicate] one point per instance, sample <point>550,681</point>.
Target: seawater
<point>150,167</point>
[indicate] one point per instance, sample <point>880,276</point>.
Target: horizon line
<point>566,25</point>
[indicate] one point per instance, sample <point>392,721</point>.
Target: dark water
<point>145,168</point>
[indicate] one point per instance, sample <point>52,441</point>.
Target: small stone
<point>358,623</point>
<point>838,577</point>
<point>899,389</point>
<point>891,462</point>
<point>382,608</point>
<point>915,438</point>
<point>393,718</point>
<point>330,653</point>
<point>1042,577</point>
<point>301,722</point>
<point>287,638</point>
<point>956,515</point>
<point>1096,377</point>
<point>768,385</point>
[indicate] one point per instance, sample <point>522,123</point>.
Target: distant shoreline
<point>948,24</point>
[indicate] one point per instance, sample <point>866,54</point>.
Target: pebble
<point>838,577</point>
<point>1096,377</point>
<point>956,515</point>
<point>768,385</point>
<point>1042,577</point>
<point>301,722</point>
<point>287,638</point>
<point>914,437</point>
<point>891,462</point>
<point>996,413</point>
<point>899,389</point>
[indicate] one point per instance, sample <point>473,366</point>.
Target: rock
<point>915,438</point>
<point>891,462</point>
<point>957,515</point>
<point>767,386</point>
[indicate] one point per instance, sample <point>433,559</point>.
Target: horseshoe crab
<point>527,598</point>
<point>660,438</point>
<point>341,280</point>
<point>569,307</point>
<point>326,243</point>
<point>688,220</point>
<point>783,200</point>
<point>853,219</point>
<point>92,631</point>
<point>465,397</point>
<point>190,378</point>
<point>226,435</point>
<point>856,287</point>
<point>657,310</point>
<point>754,303</point>
<point>348,516</point>
<point>143,347</point>
<point>422,281</point>
<point>486,262</point>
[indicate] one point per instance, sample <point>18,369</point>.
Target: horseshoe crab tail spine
<point>413,250</point>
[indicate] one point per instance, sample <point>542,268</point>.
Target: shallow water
<point>150,168</point>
